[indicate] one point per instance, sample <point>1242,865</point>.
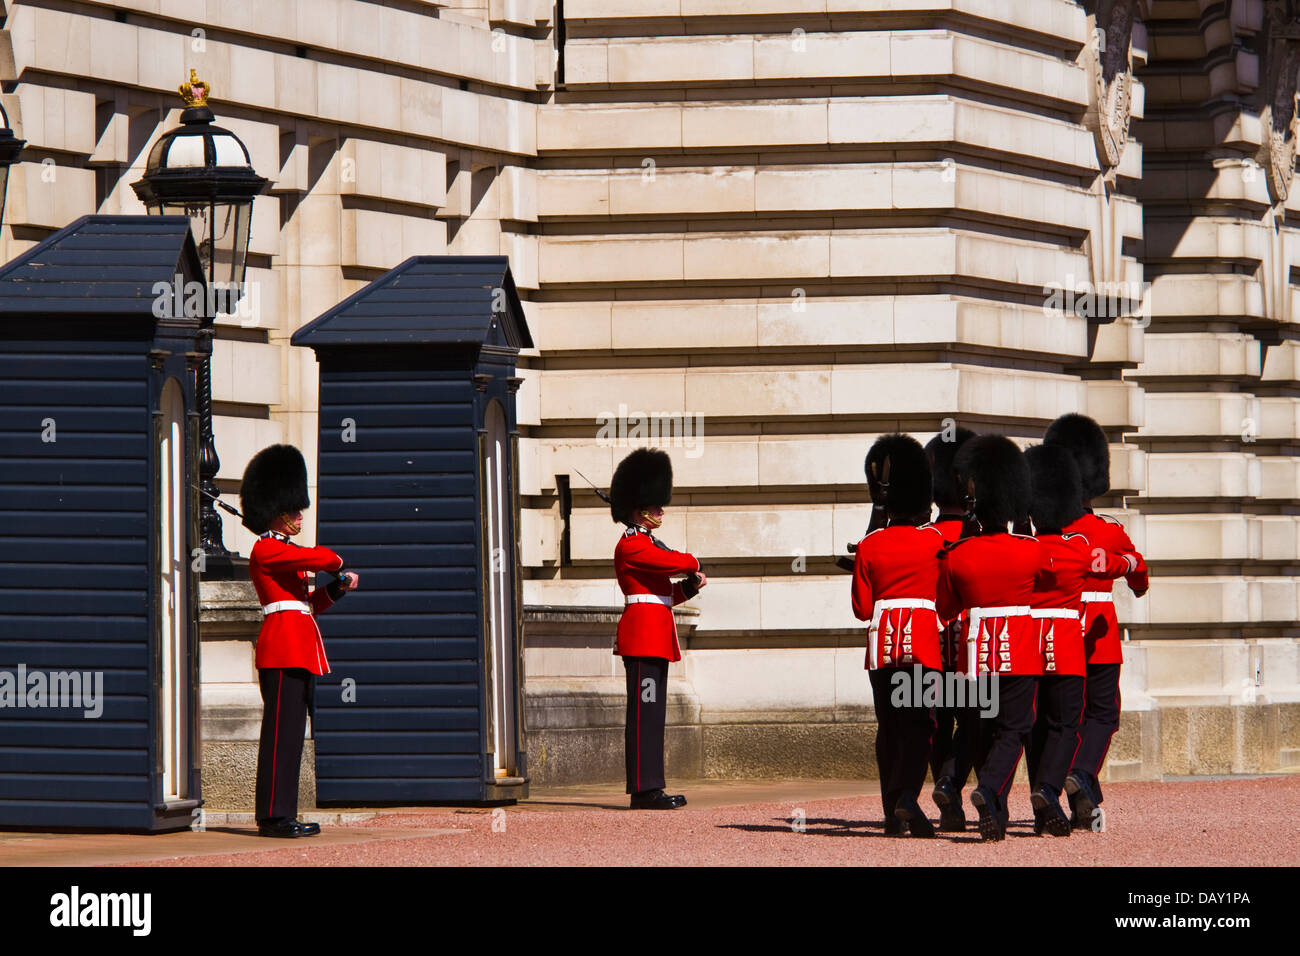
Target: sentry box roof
<point>450,301</point>
<point>100,265</point>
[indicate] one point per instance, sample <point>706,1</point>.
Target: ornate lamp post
<point>10,147</point>
<point>204,172</point>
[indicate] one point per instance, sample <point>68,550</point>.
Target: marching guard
<point>992,577</point>
<point>290,652</point>
<point>1085,440</point>
<point>955,727</point>
<point>647,635</point>
<point>1076,563</point>
<point>895,575</point>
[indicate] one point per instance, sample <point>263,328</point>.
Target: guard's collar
<point>279,536</point>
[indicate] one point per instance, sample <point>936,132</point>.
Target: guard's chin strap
<point>970,502</point>
<point>651,522</point>
<point>881,474</point>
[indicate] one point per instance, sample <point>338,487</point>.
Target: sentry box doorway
<point>418,490</point>
<point>99,339</point>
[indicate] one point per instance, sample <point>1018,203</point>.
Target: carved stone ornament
<point>1110,65</point>
<point>1278,95</point>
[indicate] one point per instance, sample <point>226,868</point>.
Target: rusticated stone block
<point>230,773</point>
<point>1175,759</point>
<point>842,751</point>
<point>1210,739</point>
<point>1251,736</point>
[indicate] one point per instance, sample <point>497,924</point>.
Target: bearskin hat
<point>1058,491</point>
<point>644,479</point>
<point>998,471</point>
<point>907,492</point>
<point>941,453</point>
<point>1083,438</point>
<point>275,483</point>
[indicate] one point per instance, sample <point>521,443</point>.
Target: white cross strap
<point>269,609</point>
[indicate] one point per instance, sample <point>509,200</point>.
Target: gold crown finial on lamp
<point>195,92</point>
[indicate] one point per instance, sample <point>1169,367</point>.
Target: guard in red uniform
<point>895,574</point>
<point>1085,440</point>
<point>647,634</point>
<point>992,577</point>
<point>955,727</point>
<point>290,653</point>
<point>1076,564</point>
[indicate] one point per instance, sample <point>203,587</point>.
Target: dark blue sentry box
<point>99,338</point>
<point>417,491</point>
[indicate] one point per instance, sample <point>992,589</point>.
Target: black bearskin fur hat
<point>1058,491</point>
<point>1001,478</point>
<point>941,453</point>
<point>275,483</point>
<point>1083,438</point>
<point>908,492</point>
<point>644,479</point>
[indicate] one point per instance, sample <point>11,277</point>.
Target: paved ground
<point>1232,822</point>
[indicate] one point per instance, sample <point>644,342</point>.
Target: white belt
<point>1100,597</point>
<point>977,615</point>
<point>888,604</point>
<point>1054,612</point>
<point>269,609</point>
<point>665,599</point>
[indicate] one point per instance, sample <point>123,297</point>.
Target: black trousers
<point>903,736</point>
<point>1002,737</point>
<point>286,700</point>
<point>647,711</point>
<point>955,735</point>
<point>1100,721</point>
<point>1055,737</point>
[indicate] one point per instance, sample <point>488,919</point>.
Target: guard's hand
<point>350,580</point>
<point>703,579</point>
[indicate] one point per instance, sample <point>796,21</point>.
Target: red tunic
<point>279,569</point>
<point>1101,638</point>
<point>1077,565</point>
<point>895,573</point>
<point>643,567</point>
<point>952,647</point>
<point>993,576</point>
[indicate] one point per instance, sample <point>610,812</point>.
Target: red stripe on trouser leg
<point>638,727</point>
<point>1109,737</point>
<point>275,744</point>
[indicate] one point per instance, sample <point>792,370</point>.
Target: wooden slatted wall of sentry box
<point>97,358</point>
<point>415,481</point>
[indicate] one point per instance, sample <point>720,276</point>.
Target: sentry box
<point>418,491</point>
<point>99,338</point>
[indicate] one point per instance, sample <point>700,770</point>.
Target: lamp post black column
<point>10,147</point>
<point>204,172</point>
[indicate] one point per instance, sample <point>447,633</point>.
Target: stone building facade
<point>760,234</point>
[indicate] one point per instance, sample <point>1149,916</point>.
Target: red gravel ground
<point>1234,822</point>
